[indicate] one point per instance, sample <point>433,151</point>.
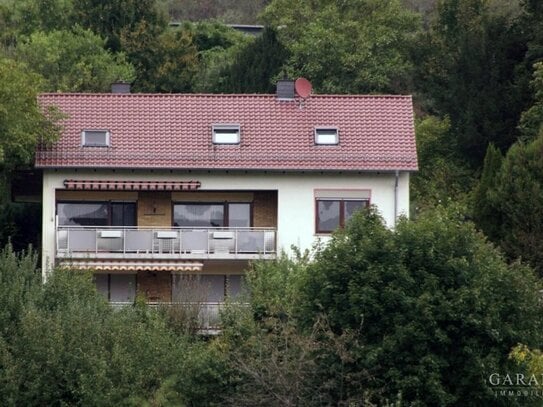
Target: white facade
<point>295,196</point>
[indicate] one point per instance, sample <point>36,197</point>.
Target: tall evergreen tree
<point>486,212</point>
<point>518,197</point>
<point>257,65</point>
<point>469,70</point>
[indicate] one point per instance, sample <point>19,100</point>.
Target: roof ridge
<point>174,95</point>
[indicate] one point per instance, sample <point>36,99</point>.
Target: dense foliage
<point>377,316</point>
<point>346,47</point>
<point>62,344</point>
<point>435,307</point>
<point>420,315</point>
<point>510,205</point>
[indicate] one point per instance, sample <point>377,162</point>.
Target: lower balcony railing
<point>175,242</point>
<point>205,314</point>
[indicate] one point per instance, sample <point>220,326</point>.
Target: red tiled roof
<point>173,131</point>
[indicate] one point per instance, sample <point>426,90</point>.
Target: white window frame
<point>84,141</point>
<point>226,134</point>
<point>326,139</point>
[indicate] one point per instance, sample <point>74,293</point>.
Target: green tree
<point>23,17</point>
<point>427,299</point>
<point>518,201</point>
<point>531,121</point>
<point>61,343</point>
<point>73,61</point>
<point>164,62</point>
<point>470,68</point>
<point>346,47</point>
<point>443,175</point>
<point>486,211</point>
<point>113,19</point>
<point>218,46</point>
<point>22,123</point>
<point>256,66</point>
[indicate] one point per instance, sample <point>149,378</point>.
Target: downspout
<point>396,182</point>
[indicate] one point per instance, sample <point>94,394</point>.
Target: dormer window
<point>326,136</point>
<point>95,138</point>
<point>226,134</point>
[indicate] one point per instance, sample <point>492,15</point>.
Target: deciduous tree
<point>73,61</point>
<point>22,123</point>
<point>428,299</point>
<point>346,47</point>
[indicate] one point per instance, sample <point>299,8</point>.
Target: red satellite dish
<point>303,87</point>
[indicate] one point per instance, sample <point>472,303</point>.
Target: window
<point>212,214</point>
<point>226,134</point>
<point>95,138</point>
<point>96,213</point>
<point>334,213</point>
<point>334,207</point>
<point>326,136</point>
<point>205,287</point>
<point>116,287</point>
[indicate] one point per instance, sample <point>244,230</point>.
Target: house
<point>154,191</point>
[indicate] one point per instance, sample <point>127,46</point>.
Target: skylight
<point>95,138</point>
<point>326,136</point>
<point>226,134</point>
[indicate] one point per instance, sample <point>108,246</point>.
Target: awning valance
<point>133,266</point>
<point>108,185</point>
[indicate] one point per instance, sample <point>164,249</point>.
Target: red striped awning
<point>133,266</point>
<point>105,185</point>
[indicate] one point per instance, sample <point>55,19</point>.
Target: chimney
<point>120,87</point>
<point>285,89</point>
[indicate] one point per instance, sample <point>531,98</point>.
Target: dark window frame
<point>109,211</point>
<point>342,220</point>
<point>225,205</point>
<point>109,283</point>
<point>226,286</point>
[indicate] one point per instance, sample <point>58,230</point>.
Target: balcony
<point>206,316</point>
<point>91,242</point>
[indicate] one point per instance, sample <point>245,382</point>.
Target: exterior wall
<point>265,209</point>
<point>154,209</point>
<point>295,198</point>
<point>154,286</point>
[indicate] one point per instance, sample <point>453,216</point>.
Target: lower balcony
<point>204,316</point>
<point>86,242</point>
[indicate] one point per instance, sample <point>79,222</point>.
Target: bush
<point>435,307</point>
<point>62,344</point>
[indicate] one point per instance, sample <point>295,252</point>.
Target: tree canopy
<point>73,61</point>
<point>22,124</point>
<point>346,47</point>
<point>434,306</point>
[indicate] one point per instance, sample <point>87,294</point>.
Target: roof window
<point>226,134</point>
<point>326,135</point>
<point>95,138</point>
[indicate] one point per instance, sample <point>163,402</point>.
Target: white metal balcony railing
<point>167,243</point>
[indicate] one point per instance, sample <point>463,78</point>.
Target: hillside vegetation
<point>453,290</point>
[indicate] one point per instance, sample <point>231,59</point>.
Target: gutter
<point>396,182</point>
